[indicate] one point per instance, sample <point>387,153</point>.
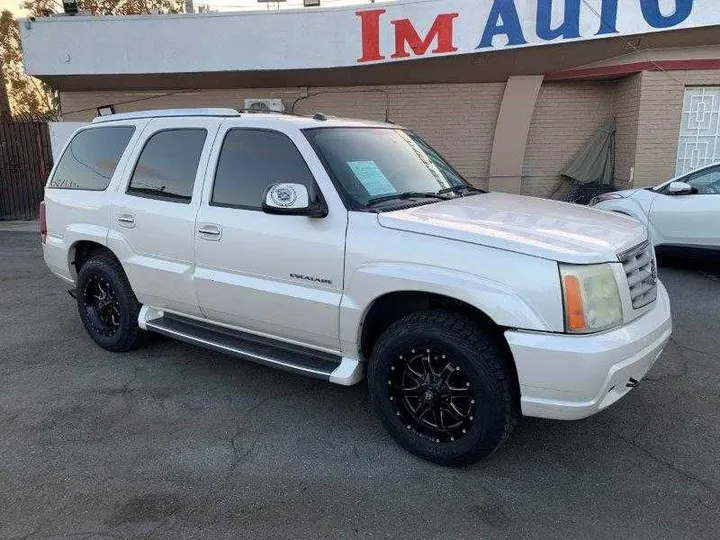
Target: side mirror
<point>680,188</point>
<point>292,200</point>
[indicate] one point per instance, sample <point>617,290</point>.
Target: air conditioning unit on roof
<point>264,105</point>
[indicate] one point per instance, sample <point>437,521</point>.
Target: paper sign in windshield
<point>372,178</point>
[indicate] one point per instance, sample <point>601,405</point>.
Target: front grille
<point>641,272</point>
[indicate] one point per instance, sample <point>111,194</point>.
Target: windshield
<point>381,166</point>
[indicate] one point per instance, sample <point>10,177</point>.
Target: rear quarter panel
<point>74,215</point>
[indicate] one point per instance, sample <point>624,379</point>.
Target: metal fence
<point>25,162</point>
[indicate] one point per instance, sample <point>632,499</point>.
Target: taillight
<point>43,222</point>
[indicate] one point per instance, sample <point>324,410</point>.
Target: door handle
<point>210,232</point>
<point>126,220</point>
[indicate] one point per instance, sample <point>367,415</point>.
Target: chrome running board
<point>263,350</point>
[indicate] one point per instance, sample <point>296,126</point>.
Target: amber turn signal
<point>574,309</point>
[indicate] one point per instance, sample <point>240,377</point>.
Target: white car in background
<point>682,213</point>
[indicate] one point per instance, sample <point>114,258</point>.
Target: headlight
<point>605,197</point>
<point>591,298</point>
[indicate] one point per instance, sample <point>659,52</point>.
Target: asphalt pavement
<point>176,442</point>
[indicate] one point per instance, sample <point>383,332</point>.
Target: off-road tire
<point>484,361</point>
<point>128,335</point>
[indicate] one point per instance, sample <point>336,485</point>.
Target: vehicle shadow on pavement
<point>708,262</point>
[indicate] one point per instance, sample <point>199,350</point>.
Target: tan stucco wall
<point>457,119</point>
<point>626,107</point>
<point>659,121</point>
<point>647,107</point>
<point>567,114</point>
<point>460,119</point>
<point>511,133</point>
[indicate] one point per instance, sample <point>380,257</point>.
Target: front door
<point>691,220</point>
<point>153,214</point>
<point>274,275</point>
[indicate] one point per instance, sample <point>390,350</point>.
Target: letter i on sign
<point>370,28</point>
<point>406,35</point>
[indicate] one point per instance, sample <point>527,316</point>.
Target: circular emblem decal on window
<point>283,196</point>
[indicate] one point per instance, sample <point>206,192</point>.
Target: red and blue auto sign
<point>341,36</point>
<point>515,23</point>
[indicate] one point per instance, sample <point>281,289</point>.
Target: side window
<point>168,165</point>
<point>252,159</point>
<point>706,182</point>
<point>90,159</point>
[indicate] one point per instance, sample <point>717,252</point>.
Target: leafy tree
<point>27,95</point>
<point>4,102</point>
<point>31,96</point>
<point>39,8</point>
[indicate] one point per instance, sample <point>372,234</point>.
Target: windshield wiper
<point>405,195</point>
<point>461,187</point>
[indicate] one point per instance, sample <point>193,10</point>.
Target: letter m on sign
<point>441,29</point>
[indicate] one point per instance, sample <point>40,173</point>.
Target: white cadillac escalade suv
<point>339,248</point>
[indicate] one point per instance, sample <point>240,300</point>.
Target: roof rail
<point>164,113</point>
<point>259,111</point>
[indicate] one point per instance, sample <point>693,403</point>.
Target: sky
<point>220,5</point>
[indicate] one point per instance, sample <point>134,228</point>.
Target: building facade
<point>507,90</point>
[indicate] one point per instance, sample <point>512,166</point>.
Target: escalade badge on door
<point>312,278</point>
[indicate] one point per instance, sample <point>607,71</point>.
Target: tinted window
<point>251,160</point>
<point>90,160</point>
<point>168,165</point>
<point>706,182</point>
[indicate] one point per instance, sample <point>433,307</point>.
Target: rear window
<point>91,158</point>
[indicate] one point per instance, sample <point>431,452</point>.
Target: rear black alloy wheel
<point>101,305</point>
<point>443,387</point>
<point>432,394</point>
<point>107,304</point>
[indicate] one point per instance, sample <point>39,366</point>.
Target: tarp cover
<point>595,161</point>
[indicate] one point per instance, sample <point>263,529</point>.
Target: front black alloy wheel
<point>443,387</point>
<point>433,394</point>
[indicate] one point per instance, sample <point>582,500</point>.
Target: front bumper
<point>567,377</point>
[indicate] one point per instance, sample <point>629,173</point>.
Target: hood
<point>539,227</point>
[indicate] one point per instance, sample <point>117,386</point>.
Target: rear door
<point>691,220</point>
<point>154,210</point>
<point>275,275</point>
